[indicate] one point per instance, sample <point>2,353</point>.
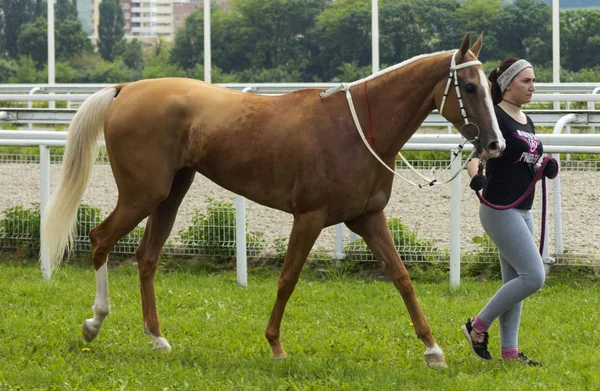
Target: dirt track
<point>426,211</point>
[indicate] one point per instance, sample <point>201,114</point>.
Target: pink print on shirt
<point>532,156</point>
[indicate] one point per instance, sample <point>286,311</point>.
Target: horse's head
<point>465,100</point>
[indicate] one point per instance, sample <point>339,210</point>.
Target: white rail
<point>265,88</point>
<point>553,143</point>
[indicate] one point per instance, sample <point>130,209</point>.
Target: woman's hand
<point>478,182</point>
<point>551,169</point>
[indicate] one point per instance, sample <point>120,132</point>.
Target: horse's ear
<point>464,47</point>
<point>477,45</point>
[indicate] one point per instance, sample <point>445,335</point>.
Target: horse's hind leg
<point>374,230</point>
<point>305,231</point>
<point>157,231</point>
<point>126,215</point>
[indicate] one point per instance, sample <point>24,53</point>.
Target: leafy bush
<point>483,262</point>
<point>215,231</point>
<point>410,247</point>
<point>20,229</point>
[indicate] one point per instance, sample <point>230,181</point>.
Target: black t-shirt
<point>510,174</point>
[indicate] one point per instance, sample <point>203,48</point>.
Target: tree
<point>33,41</point>
<point>14,14</point>
<point>436,20</point>
<point>159,66</point>
<point>41,9</point>
<point>26,72</point>
<point>344,30</point>
<point>188,48</point>
<point>400,37</point>
<point>486,16</point>
<point>71,40</point>
<point>65,10</point>
<point>526,31</point>
<point>110,27</point>
<point>130,52</point>
<point>580,38</point>
<point>8,69</point>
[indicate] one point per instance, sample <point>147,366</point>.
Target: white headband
<point>505,78</point>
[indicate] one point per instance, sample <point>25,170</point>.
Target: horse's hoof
<point>436,361</point>
<point>162,345</point>
<point>88,331</point>
<point>435,357</point>
<point>279,356</point>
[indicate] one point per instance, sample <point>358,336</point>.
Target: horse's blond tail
<point>60,214</point>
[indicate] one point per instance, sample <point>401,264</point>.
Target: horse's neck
<point>400,101</point>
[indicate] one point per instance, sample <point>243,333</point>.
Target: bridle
<point>452,75</point>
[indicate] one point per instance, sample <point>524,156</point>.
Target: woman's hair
<point>493,78</point>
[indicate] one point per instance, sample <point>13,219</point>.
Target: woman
<point>506,179</point>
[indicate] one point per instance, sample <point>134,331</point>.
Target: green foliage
<point>215,231</point>
<point>483,262</point>
<point>65,10</point>
<point>110,27</point>
<point>8,70</point>
<point>280,245</point>
<point>341,334</point>
<point>410,247</point>
<point>87,218</point>
<point>350,72</point>
<point>33,41</point>
<point>20,229</point>
<point>580,38</point>
<point>14,14</point>
<point>188,48</point>
<point>159,66</point>
<point>71,40</point>
<point>299,40</point>
<point>130,52</point>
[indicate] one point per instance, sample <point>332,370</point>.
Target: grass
<point>342,333</point>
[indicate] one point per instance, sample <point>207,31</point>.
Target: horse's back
<point>231,137</point>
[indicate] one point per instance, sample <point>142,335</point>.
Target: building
<point>146,20</point>
<point>182,8</point>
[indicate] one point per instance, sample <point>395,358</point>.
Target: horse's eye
<point>470,88</point>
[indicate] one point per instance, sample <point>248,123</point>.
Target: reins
<point>539,175</point>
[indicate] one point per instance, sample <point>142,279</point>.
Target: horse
<point>300,153</point>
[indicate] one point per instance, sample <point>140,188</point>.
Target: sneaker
<point>526,361</point>
<point>479,347</point>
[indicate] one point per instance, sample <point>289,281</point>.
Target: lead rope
<point>539,175</point>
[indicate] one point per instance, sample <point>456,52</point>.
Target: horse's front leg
<point>305,231</point>
<point>374,230</point>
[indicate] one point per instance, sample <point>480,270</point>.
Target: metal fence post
<point>44,197</point>
<point>339,241</point>
<point>241,260</point>
<point>455,222</point>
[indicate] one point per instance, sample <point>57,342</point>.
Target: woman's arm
<point>473,167</point>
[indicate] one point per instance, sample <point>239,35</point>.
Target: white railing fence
<point>425,227</point>
<point>429,229</point>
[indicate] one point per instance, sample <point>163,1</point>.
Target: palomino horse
<point>300,153</point>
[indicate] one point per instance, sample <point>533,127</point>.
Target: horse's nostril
<point>493,147</point>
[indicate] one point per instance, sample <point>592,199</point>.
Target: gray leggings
<point>521,264</point>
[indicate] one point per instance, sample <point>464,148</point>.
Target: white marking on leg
<point>435,349</point>
<point>101,307</point>
<point>160,343</point>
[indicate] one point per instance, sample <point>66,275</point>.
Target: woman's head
<point>513,80</point>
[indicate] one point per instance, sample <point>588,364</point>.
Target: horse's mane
<point>397,66</point>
